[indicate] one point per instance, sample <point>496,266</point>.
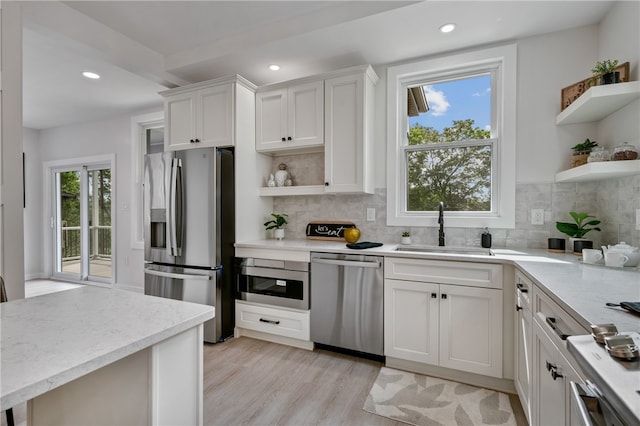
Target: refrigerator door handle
<point>175,207</point>
<point>178,276</point>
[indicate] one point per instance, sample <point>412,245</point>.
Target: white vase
<point>406,240</point>
<point>278,234</point>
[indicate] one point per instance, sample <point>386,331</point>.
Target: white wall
<point>620,39</point>
<point>33,225</point>
<point>11,211</point>
<point>111,136</point>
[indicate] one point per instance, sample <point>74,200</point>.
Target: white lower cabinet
<point>273,323</point>
<point>552,374</point>
<point>553,366</point>
<point>523,341</point>
<point>449,325</point>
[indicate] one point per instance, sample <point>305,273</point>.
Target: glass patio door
<point>82,223</point>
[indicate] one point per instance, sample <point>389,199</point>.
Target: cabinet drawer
<point>555,321</point>
<point>444,272</point>
<point>524,290</point>
<point>282,322</point>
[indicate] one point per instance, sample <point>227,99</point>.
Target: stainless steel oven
<point>274,282</point>
<point>610,395</point>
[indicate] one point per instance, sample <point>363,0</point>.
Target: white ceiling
<point>143,47</point>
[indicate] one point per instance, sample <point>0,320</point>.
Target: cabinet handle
<point>289,138</point>
<point>434,295</point>
<point>444,296</point>
<point>556,375</point>
<point>522,288</point>
<point>283,139</point>
<point>551,366</point>
<point>191,141</point>
<point>269,321</point>
<point>326,184</point>
<point>518,308</point>
<point>552,323</point>
<point>197,140</point>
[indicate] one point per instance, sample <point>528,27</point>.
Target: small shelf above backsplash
<point>285,191</point>
<point>599,102</point>
<point>599,170</point>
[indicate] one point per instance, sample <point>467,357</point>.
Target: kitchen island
<point>99,356</point>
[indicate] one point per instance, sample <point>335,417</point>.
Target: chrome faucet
<point>441,222</point>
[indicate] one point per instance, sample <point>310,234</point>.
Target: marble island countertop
<point>50,340</point>
<point>581,289</point>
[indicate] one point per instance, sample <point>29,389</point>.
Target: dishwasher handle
<point>354,263</point>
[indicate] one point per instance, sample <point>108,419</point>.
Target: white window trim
<point>49,167</point>
<point>398,79</point>
<point>139,125</point>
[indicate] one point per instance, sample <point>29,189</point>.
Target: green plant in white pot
<point>277,224</point>
<point>583,223</point>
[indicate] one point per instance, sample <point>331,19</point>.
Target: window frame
<point>139,125</point>
<point>502,62</point>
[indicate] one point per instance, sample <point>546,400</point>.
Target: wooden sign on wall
<point>570,93</point>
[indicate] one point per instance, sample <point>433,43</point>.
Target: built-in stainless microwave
<point>274,282</point>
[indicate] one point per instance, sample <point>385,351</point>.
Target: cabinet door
<point>306,114</point>
<point>344,154</point>
<point>552,374</point>
<point>522,357</point>
<point>180,121</point>
<point>271,120</point>
<point>471,329</point>
<point>411,321</point>
<point>214,116</point>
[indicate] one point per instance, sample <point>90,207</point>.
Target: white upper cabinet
<point>290,118</point>
<point>199,117</point>
<point>348,155</point>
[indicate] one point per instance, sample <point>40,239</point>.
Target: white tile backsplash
<point>613,201</point>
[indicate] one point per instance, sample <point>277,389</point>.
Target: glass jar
<point>626,151</point>
<point>598,153</point>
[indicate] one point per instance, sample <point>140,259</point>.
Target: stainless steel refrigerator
<point>189,231</point>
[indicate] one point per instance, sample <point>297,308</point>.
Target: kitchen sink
<point>446,250</point>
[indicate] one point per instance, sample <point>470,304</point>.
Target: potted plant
<point>277,224</point>
<point>581,152</point>
<point>605,70</point>
<point>583,223</point>
<point>406,237</point>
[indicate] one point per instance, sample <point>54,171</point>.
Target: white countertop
<point>52,339</point>
<point>582,290</point>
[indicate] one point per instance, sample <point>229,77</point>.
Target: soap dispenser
<point>486,238</point>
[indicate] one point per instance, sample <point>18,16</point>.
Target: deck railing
<point>100,242</point>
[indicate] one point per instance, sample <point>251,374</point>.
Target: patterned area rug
<point>421,400</point>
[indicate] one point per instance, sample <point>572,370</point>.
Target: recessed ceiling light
<point>274,67</point>
<point>91,75</point>
<point>447,28</point>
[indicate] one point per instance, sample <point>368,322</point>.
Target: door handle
<point>353,263</point>
<point>178,276</point>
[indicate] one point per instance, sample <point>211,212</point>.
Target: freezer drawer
<point>189,285</point>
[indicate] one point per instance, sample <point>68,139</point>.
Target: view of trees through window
<point>449,152</point>
<point>98,205</point>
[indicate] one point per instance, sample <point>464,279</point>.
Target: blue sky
<point>457,100</point>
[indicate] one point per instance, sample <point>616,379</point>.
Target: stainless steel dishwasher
<point>347,301</point>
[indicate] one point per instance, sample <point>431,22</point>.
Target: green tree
<point>460,176</point>
<point>70,197</point>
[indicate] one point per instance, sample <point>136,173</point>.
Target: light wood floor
<point>251,382</point>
